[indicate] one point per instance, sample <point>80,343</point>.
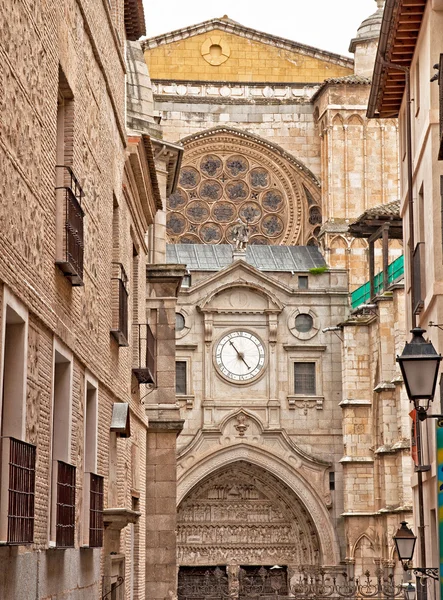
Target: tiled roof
<point>134,19</point>
<point>392,209</point>
<point>201,257</point>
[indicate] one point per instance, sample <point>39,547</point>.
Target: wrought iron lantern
<point>410,591</point>
<point>419,364</point>
<point>404,541</point>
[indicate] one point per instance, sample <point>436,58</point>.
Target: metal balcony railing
<point>144,354</point>
<point>120,304</point>
<point>65,518</point>
<point>363,293</point>
<point>96,496</point>
<point>71,262</point>
<point>20,457</point>
<point>418,285</point>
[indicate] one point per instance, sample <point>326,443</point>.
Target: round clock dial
<point>240,356</point>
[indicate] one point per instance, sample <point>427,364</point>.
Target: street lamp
<point>410,591</point>
<point>404,541</point>
<point>419,364</point>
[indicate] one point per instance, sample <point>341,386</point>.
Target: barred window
<point>180,377</point>
<point>304,378</point>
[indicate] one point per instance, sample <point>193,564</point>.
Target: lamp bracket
<point>422,468</point>
<point>439,325</point>
<point>432,572</point>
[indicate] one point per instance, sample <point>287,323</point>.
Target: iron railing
<point>120,304</point>
<point>363,294</point>
<point>418,285</point>
<point>65,518</point>
<point>201,583</point>
<point>71,263</point>
<point>144,353</point>
<point>274,583</point>
<point>21,491</point>
<point>96,497</point>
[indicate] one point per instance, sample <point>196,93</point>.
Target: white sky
<point>326,24</point>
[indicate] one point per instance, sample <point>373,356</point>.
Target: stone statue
<point>240,234</point>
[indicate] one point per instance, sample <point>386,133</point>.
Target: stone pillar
<point>163,428</point>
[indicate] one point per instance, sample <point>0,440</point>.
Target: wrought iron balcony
<point>18,490</point>
<point>119,304</point>
<point>418,285</point>
<point>96,496</point>
<point>65,518</point>
<point>144,354</point>
<point>71,261</point>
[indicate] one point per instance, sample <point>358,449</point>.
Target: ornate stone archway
<point>285,465</point>
<point>228,174</point>
<point>244,515</point>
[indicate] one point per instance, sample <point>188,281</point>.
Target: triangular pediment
<point>239,274</point>
<point>222,49</point>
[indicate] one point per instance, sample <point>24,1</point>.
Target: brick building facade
<point>80,194</point>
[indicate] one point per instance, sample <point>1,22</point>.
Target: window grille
<point>73,236</point>
<point>144,354</point>
<point>65,524</point>
<point>120,304</point>
<point>419,273</point>
<point>96,511</point>
<point>304,378</point>
<point>21,491</point>
<point>440,96</point>
<point>180,377</point>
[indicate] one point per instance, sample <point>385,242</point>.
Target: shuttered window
<point>304,378</point>
<point>180,377</point>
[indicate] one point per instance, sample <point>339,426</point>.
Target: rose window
<point>216,190</point>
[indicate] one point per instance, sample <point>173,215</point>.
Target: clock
<point>240,356</point>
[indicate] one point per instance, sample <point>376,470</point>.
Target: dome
<point>370,28</point>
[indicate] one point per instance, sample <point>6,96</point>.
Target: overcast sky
<point>326,24</point>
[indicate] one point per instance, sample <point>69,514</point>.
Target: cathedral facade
<point>281,460</point>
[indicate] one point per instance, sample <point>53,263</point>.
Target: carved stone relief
<point>244,514</point>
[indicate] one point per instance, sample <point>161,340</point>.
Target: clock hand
<point>240,355</point>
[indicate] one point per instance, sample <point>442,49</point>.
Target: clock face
<point>240,356</point>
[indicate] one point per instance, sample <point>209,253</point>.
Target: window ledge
<point>118,518</point>
<point>187,399</point>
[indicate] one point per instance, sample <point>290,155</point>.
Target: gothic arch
<point>358,542</point>
<point>227,175</point>
<point>191,474</point>
<point>337,120</point>
<point>355,120</point>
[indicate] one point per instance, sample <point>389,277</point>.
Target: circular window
<point>179,322</point>
<point>303,323</point>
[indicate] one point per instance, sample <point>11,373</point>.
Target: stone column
<point>163,428</point>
